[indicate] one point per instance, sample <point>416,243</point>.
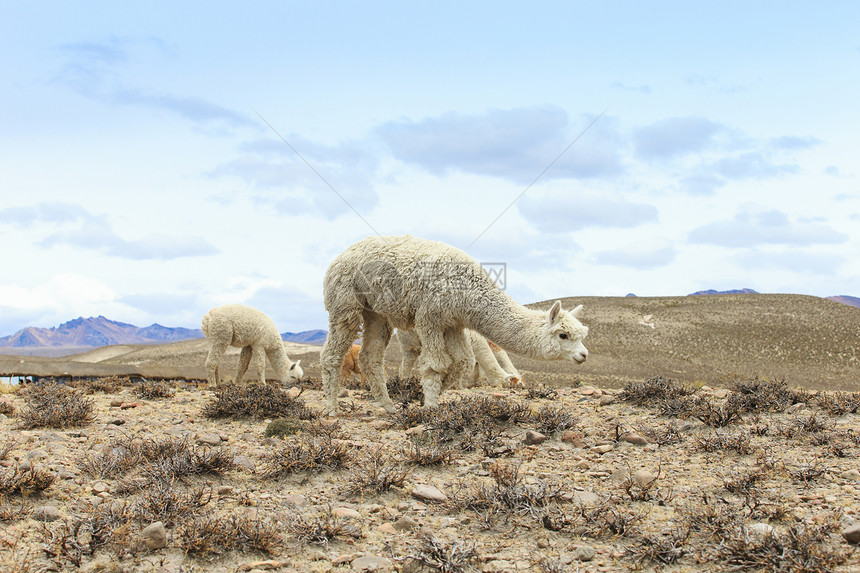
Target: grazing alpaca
<point>404,282</point>
<point>252,331</point>
<point>489,359</point>
<point>350,363</point>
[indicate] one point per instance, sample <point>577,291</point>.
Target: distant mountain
<point>307,337</point>
<point>733,291</point>
<point>845,299</point>
<point>96,331</point>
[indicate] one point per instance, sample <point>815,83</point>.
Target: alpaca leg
<point>213,359</point>
<point>410,350</point>
<point>463,360</point>
<point>377,333</point>
<point>341,333</point>
<point>486,360</point>
<point>259,360</point>
<point>244,361</point>
<point>433,364</point>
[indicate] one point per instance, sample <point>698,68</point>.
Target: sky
<point>159,159</point>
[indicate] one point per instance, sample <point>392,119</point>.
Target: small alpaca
<point>350,363</point>
<point>490,361</point>
<point>406,283</point>
<point>256,334</point>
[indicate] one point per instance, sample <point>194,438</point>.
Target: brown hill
<point>807,341</point>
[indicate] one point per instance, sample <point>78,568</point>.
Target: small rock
<point>584,553</point>
<point>208,439</point>
<point>415,430</point>
<point>589,390</point>
<point>606,400</point>
<point>533,438</point>
<point>46,513</point>
<point>116,403</point>
<point>341,559</point>
<point>155,536</point>
<point>852,534</point>
<point>372,563</point>
<point>635,439</point>
<point>851,474</point>
<point>224,489</point>
<point>428,493</point>
<point>116,422</point>
<point>99,487</point>
<point>245,463</point>
<point>387,528</point>
<point>380,424</point>
<point>406,523</point>
<point>643,478</point>
<point>498,565</point>
<point>602,449</point>
<point>294,499</point>
<point>269,565</point>
<point>294,392</point>
<point>760,529</point>
<point>344,393</point>
<point>346,512</point>
<point>572,437</point>
<point>585,497</point>
<point>128,405</point>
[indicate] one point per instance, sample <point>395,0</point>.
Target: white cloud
<point>675,136</point>
<point>515,144</point>
<point>641,255</point>
<point>570,210</point>
<point>751,227</point>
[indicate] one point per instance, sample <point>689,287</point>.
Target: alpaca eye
<point>563,336</point>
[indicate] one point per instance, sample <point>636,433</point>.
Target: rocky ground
<point>531,479</point>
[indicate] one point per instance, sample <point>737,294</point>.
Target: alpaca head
<point>296,372</point>
<point>565,334</point>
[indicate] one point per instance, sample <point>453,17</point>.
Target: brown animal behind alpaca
<point>350,363</point>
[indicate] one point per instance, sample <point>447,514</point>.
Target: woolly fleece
<point>404,282</point>
<point>255,333</point>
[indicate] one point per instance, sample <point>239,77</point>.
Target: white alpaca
<point>491,362</point>
<point>252,331</point>
<point>404,282</point>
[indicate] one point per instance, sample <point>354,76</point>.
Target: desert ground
<point>703,433</point>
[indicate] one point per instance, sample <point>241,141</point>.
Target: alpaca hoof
<point>388,407</point>
<point>330,410</point>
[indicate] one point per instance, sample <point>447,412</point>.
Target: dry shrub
<point>376,472</point>
<point>664,548</point>
<point>800,549</point>
<point>553,419</point>
<point>7,408</point>
<point>805,425</point>
<point>740,443</point>
<point>26,482</point>
<point>758,395</point>
<point>307,453</point>
<point>217,533</point>
<point>55,406</point>
<point>542,392</point>
<point>447,557</point>
<point>427,450</point>
<point>106,385</point>
<point>153,389</point>
<point>170,503</point>
<point>653,391</point>
<point>508,496</point>
<point>665,436</point>
<point>257,401</point>
<point>405,390</point>
<point>321,527</point>
<point>7,446</point>
<point>840,403</point>
<point>716,414</point>
<point>156,459</point>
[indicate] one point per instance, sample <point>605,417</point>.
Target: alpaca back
<point>243,325</point>
<point>401,277</point>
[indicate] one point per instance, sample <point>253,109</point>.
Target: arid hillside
<point>714,339</point>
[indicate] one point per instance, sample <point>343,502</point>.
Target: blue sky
<point>715,147</point>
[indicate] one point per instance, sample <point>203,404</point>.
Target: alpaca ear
<point>295,364</point>
<point>554,312</point>
<point>575,312</point>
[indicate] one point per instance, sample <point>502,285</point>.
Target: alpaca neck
<point>512,326</point>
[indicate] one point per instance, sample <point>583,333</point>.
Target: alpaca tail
<point>205,324</point>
